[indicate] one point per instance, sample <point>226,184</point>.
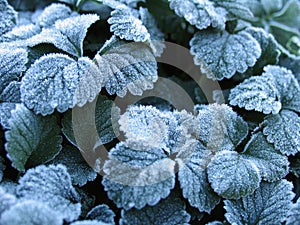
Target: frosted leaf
<point>144,124</point>
<point>124,23</point>
<point>154,128</point>
<point>220,128</point>
<point>193,178</point>
<point>11,93</point>
<point>236,8</point>
<point>77,167</point>
<point>268,205</point>
<point>202,14</point>
<point>5,113</point>
<point>283,130</point>
<point>271,6</point>
<point>271,163</point>
<point>30,212</point>
<point>270,49</point>
<point>157,37</point>
<point>12,65</point>
<point>287,85</point>
<point>31,139</point>
<point>8,17</point>
<point>135,178</point>
<point>51,185</point>
<point>101,213</point>
<point>67,34</point>
<point>53,13</point>
<point>221,54</point>
<point>216,223</point>
<point>6,200</point>
<point>90,222</point>
<point>8,186</point>
<point>20,33</point>
<point>293,216</point>
<point>232,176</point>
<point>52,81</point>
<point>106,116</point>
<point>257,93</point>
<point>130,66</point>
<point>170,211</point>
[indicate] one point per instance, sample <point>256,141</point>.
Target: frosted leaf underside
<point>31,139</point>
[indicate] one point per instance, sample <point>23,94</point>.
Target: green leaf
<point>221,54</point>
<point>293,216</point>
<point>2,168</point>
<point>283,130</point>
<point>170,211</point>
<point>193,177</point>
<point>271,163</point>
<point>101,213</point>
<point>12,65</point>
<point>106,117</point>
<point>271,6</point>
<point>55,82</point>
<point>8,17</point>
<point>220,128</point>
<point>138,177</point>
<point>52,13</point>
<point>268,205</point>
<point>232,176</point>
<point>67,34</point>
<point>77,167</point>
<point>31,139</point>
<point>5,113</point>
<point>202,14</point>
<point>30,212</point>
<point>126,66</point>
<point>52,186</point>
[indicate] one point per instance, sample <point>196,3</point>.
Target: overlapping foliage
<point>231,162</point>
